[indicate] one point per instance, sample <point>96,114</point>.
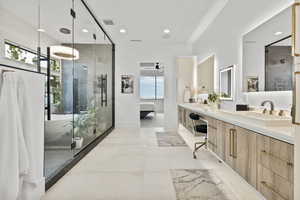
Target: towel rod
<point>18,68</point>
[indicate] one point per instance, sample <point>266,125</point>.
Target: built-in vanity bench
<point>264,157</point>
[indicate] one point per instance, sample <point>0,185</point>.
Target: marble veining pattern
<point>199,184</point>
<point>169,139</point>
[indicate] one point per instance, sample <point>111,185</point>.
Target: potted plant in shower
<point>79,127</point>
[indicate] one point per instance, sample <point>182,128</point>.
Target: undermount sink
<point>262,119</point>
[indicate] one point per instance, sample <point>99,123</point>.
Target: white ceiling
<point>55,14</point>
<point>143,19</point>
<point>146,19</point>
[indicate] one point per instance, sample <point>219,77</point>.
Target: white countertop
<point>283,133</point>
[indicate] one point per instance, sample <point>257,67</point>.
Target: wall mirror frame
<point>226,83</point>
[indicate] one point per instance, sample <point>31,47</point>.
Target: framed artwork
<point>252,84</point>
<point>127,82</point>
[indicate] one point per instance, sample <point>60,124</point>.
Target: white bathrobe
<point>14,158</point>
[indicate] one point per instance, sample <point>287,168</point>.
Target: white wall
<point>128,57</point>
<point>18,31</point>
<point>223,38</point>
<point>185,75</point>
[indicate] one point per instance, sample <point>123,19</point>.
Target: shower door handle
<point>102,90</point>
<point>105,89</point>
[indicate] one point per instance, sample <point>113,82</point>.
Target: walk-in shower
<point>73,50</point>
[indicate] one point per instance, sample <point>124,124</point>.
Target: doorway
<point>152,90</point>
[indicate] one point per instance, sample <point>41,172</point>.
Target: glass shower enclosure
<point>64,41</point>
<point>80,87</point>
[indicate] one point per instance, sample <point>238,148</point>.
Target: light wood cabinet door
<point>188,121</point>
<point>273,186</point>
<point>245,154</point>
<point>212,134</point>
<point>230,144</point>
<point>275,176</point>
<point>180,112</point>
<point>220,134</point>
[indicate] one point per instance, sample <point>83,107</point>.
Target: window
<point>21,54</point>
<point>152,87</point>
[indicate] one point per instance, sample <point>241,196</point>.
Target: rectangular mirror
<point>226,83</point>
<point>205,75</point>
<point>267,55</point>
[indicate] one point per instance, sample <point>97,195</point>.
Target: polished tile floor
<point>153,120</point>
<point>129,165</point>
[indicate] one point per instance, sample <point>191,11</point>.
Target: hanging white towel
<point>14,159</point>
<point>31,91</point>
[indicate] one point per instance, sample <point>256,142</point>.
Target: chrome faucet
<point>271,105</point>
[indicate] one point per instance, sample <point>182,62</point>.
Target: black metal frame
<point>266,56</point>
<point>81,154</point>
<point>17,68</point>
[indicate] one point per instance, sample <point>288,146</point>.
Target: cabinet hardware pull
<point>290,164</point>
<point>231,143</point>
<point>230,140</point>
<point>234,142</point>
<point>264,183</point>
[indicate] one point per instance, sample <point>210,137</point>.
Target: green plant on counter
<point>213,98</point>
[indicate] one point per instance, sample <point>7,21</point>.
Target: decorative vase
<point>214,105</point>
<point>78,141</point>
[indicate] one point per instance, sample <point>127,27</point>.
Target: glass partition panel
<point>55,36</point>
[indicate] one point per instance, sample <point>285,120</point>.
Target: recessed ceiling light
<point>85,30</point>
<point>167,31</point>
<point>278,33</point>
<point>123,30</point>
<point>41,30</point>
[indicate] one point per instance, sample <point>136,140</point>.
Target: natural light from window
<point>151,87</point>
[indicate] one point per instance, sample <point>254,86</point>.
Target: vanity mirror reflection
<point>267,55</point>
<point>205,75</point>
<point>226,83</point>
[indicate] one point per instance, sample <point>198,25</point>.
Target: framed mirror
<point>226,80</point>
<point>267,55</point>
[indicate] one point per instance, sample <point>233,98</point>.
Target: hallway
<point>129,165</point>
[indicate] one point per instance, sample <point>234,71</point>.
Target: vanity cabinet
<point>264,162</point>
<point>212,136</point>
<point>240,151</point>
<point>275,167</point>
<point>245,154</point>
<point>216,137</point>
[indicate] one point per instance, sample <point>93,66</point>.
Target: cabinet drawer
<point>281,167</point>
<point>277,156</point>
<point>279,149</point>
<point>273,186</point>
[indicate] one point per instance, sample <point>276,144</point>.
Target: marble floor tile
<point>129,165</point>
<point>195,184</point>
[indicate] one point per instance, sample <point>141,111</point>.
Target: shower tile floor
<point>129,165</point>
